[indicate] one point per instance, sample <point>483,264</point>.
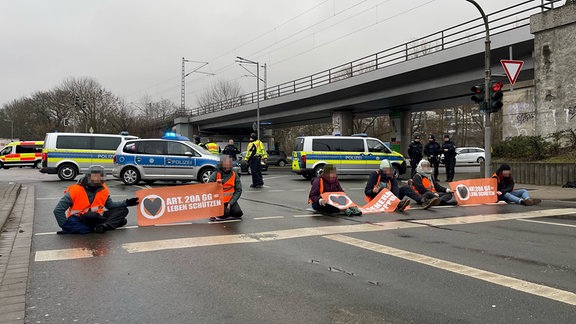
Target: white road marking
<point>308,215</point>
<point>276,190</point>
<point>547,223</point>
<point>268,217</point>
<point>54,233</point>
<point>174,224</point>
<point>64,254</point>
<point>562,296</point>
<point>169,244</point>
<point>269,178</point>
<point>226,221</point>
<point>299,190</point>
<point>142,187</point>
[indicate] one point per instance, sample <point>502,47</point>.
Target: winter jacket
<point>421,189</point>
<point>372,182</point>
<point>225,177</point>
<point>315,193</point>
<point>415,151</point>
<point>432,149</point>
<point>451,149</point>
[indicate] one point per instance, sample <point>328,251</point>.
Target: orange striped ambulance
<point>24,153</point>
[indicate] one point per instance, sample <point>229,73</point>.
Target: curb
<point>8,198</point>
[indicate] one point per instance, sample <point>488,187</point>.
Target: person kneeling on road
<point>87,207</point>
<point>231,189</point>
<point>505,190</point>
<point>327,181</point>
<point>384,178</point>
<point>424,184</point>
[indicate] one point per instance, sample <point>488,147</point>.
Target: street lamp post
<point>487,77</point>
<point>246,61</point>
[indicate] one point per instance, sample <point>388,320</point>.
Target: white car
<point>470,155</point>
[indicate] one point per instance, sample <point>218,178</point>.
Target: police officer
<point>198,141</point>
<point>449,151</point>
<point>231,150</point>
<point>231,189</point>
<point>415,153</point>
<point>212,147</point>
<point>87,206</point>
<point>255,155</point>
<point>432,151</point>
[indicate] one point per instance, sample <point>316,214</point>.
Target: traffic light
<point>66,122</point>
<point>496,96</point>
<point>77,101</point>
<point>478,96</point>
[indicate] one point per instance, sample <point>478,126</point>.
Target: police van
<point>163,159</point>
<point>24,153</point>
<point>68,154</point>
<point>356,154</point>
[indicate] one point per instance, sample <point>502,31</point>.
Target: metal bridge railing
<point>503,20</point>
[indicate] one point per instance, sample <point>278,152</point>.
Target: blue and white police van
<point>172,158</point>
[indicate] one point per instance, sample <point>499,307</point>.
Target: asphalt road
<point>283,264</point>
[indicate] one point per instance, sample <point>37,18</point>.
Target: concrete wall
<point>545,174</point>
<point>555,68</point>
<point>519,111</point>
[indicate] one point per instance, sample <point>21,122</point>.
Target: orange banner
<point>179,204</point>
<point>475,191</point>
<point>384,202</point>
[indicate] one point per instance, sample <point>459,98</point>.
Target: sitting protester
<point>384,178</point>
<point>87,207</point>
<point>231,189</point>
<point>424,184</point>
<point>327,182</point>
<point>505,190</point>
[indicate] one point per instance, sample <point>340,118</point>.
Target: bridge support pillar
<point>342,123</point>
<point>183,126</point>
<point>400,131</point>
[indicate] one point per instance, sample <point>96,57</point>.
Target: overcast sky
<point>135,47</point>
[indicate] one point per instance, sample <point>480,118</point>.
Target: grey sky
<point>134,47</point>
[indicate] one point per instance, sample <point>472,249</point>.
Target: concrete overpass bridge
<point>434,71</point>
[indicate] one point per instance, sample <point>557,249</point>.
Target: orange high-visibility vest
<point>368,198</point>
<point>227,187</point>
<point>81,204</point>
<point>427,184</point>
<point>497,177</point>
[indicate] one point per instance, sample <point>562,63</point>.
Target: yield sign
<point>512,69</point>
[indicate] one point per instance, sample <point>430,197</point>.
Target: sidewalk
<point>8,195</point>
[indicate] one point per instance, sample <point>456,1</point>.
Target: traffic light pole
<point>487,77</point>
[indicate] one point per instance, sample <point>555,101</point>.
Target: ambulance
<point>19,154</point>
<point>69,154</point>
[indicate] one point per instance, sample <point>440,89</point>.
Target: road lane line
<point>299,190</point>
<point>308,215</point>
<point>547,223</point>
<point>276,190</point>
<point>562,296</point>
<point>269,178</point>
<point>54,233</point>
<point>268,217</point>
<point>170,244</point>
<point>64,254</point>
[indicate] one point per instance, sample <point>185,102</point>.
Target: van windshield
<point>299,144</point>
<point>7,150</point>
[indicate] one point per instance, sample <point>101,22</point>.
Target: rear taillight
<point>114,158</point>
<point>44,157</point>
<point>303,161</point>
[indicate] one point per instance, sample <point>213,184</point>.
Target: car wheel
<point>38,165</point>
<point>204,175</point>
<point>396,170</point>
<point>318,170</point>
<point>130,176</point>
<point>67,172</point>
<point>480,160</point>
<point>281,163</point>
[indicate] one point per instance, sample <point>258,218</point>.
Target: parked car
<point>244,167</point>
<point>468,155</point>
<point>162,159</point>
<point>278,158</point>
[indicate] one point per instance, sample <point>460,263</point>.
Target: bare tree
<point>221,92</point>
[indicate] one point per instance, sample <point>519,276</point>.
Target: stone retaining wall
<point>545,174</point>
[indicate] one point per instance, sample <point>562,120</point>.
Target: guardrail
<point>509,18</point>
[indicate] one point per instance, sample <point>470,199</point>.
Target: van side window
<point>299,144</point>
<point>377,146</point>
<point>130,148</point>
<point>7,150</point>
<point>74,142</point>
<point>105,143</point>
<point>352,145</point>
<point>38,148</point>
<point>175,148</point>
<point>24,149</point>
<point>151,147</point>
<point>325,144</point>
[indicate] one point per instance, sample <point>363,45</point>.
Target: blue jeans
<point>515,196</point>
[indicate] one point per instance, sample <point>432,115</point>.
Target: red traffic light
<point>497,86</point>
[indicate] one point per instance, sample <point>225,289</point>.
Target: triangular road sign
<point>512,69</point>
